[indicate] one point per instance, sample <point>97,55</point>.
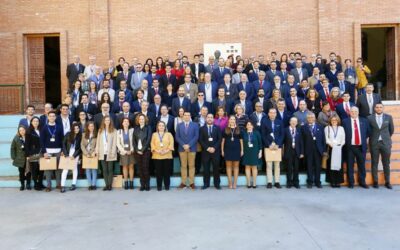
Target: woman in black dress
<point>313,102</point>
<point>232,150</point>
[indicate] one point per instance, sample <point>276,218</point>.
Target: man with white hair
<point>74,69</point>
<point>357,130</point>
<point>91,68</point>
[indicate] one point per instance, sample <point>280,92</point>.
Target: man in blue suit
<point>152,75</point>
<point>357,131</point>
<point>246,104</point>
<point>209,88</point>
<point>293,152</point>
<point>198,104</point>
<point>262,83</point>
<point>282,113</point>
<point>272,133</point>
<point>292,102</point>
<point>137,77</point>
<point>345,86</point>
<point>273,72</point>
<point>30,112</point>
<point>219,73</point>
<point>314,148</point>
<point>187,135</point>
<point>325,90</point>
<point>343,109</point>
<point>332,73</point>
<point>180,101</point>
<point>231,91</point>
<point>222,101</point>
<point>247,87</point>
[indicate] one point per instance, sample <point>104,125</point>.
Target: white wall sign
<point>225,48</point>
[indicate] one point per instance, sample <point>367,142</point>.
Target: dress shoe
<point>375,185</point>
<point>182,186</point>
<point>269,185</point>
<point>90,188</point>
<point>166,188</point>
<point>318,185</point>
<point>72,188</point>
<point>309,185</point>
<point>388,186</point>
<point>141,188</point>
<point>28,186</point>
<point>192,186</point>
<point>147,188</point>
<point>204,187</point>
<point>218,188</point>
<point>248,186</point>
<point>105,188</point>
<point>94,188</point>
<point>126,185</point>
<point>351,186</point>
<point>22,188</point>
<point>62,190</point>
<point>109,188</point>
<point>255,186</point>
<point>297,186</point>
<point>159,188</point>
<point>130,184</point>
<point>289,186</point>
<point>365,186</point>
<point>277,185</point>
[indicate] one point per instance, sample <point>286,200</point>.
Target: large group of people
<point>227,115</point>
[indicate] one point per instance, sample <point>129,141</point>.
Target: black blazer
<point>72,72</point>
<point>170,124</point>
<point>32,143</point>
<point>120,116</point>
<point>144,135</point>
<point>362,104</point>
<point>92,110</point>
<point>287,142</point>
<point>216,139</point>
<point>67,145</point>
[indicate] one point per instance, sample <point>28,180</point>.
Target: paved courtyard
<point>227,219</point>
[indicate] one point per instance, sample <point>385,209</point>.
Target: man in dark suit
<point>117,105</point>
<point>167,119</point>
<point>246,104</point>
<point>270,74</point>
<point>272,136</point>
<point>261,98</point>
<point>155,107</point>
<point>144,109</point>
<point>357,130</point>
<point>247,87</point>
<point>282,113</point>
<point>187,135</point>
<point>219,73</point>
<point>125,75</point>
<point>231,91</point>
<point>167,78</point>
<point>105,111</point>
<point>222,101</point>
<point>73,70</point>
<point>314,148</point>
<point>343,109</point>
<point>43,118</point>
<point>154,90</point>
<point>210,141</point>
<point>89,108</point>
<point>124,114</point>
<point>262,83</point>
<point>292,102</point>
<point>293,152</point>
<point>123,87</point>
<point>299,72</point>
<point>366,102</point>
<point>325,90</point>
<point>180,101</point>
<point>209,88</point>
<point>30,112</point>
<point>198,104</point>
<point>197,68</point>
<point>257,117</point>
<point>346,86</point>
<point>380,142</point>
<point>331,74</point>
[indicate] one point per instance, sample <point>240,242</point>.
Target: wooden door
<point>390,65</point>
<point>36,72</point>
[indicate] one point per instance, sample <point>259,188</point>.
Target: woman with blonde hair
<point>125,148</point>
<point>106,149</point>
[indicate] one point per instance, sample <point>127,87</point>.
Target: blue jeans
<point>91,175</point>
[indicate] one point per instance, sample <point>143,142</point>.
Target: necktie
<point>342,86</point>
<point>347,109</point>
<point>273,127</point>
<point>220,70</point>
<point>168,75</point>
<point>186,127</point>
<point>156,90</point>
<point>260,84</point>
<point>294,102</point>
<point>85,107</point>
<point>356,134</point>
<point>77,67</point>
<point>370,103</point>
<point>326,93</point>
<point>209,131</point>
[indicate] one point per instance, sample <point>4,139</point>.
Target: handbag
<point>34,158</point>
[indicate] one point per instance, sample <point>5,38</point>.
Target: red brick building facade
<point>113,28</point>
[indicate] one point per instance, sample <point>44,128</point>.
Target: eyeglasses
<point>200,95</point>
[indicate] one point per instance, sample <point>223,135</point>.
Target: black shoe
<point>105,188</point>
<point>289,185</point>
<point>28,186</point>
<point>72,188</point>
<point>218,188</point>
<point>37,188</point>
<point>166,188</point>
<point>297,186</point>
<point>204,187</point>
<point>62,190</point>
<point>94,188</point>
<point>375,185</point>
<point>159,188</point>
<point>388,186</point>
<point>318,185</point>
<point>255,186</point>
<point>351,186</point>
<point>90,188</point>
<point>22,188</point>
<point>278,185</point>
<point>248,186</point>
<point>269,185</point>
<point>126,185</point>
<point>309,185</point>
<point>147,188</point>
<point>141,188</point>
<point>109,188</point>
<point>130,184</point>
<point>365,186</point>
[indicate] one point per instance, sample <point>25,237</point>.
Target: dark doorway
<point>378,53</point>
<point>52,69</point>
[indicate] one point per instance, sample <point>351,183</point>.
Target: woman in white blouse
<point>335,139</point>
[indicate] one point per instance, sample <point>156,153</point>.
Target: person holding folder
<point>51,140</point>
<point>106,149</point>
<point>88,147</point>
<point>71,149</point>
<point>125,148</point>
<point>272,135</point>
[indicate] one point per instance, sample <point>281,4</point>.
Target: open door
<point>36,71</point>
<point>390,65</point>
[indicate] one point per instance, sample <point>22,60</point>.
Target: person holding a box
<point>88,147</point>
<point>106,149</point>
<point>52,135</point>
<point>72,150</point>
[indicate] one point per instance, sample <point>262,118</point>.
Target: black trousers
<point>37,175</point>
<point>292,165</point>
<point>208,159</point>
<point>163,172</point>
<point>23,177</point>
<point>143,163</point>
<point>355,152</point>
<point>197,163</point>
<point>314,167</point>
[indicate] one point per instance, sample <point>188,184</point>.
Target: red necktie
<point>326,93</point>
<point>260,84</point>
<point>294,102</point>
<point>356,135</point>
<point>156,89</point>
<point>347,109</point>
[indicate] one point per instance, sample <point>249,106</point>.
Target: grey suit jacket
<point>236,78</point>
<point>385,131</point>
<point>136,81</point>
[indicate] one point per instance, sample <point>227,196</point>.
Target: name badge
<point>188,95</point>
<point>22,146</point>
<point>161,144</point>
<point>350,76</point>
<point>258,124</point>
<point>53,139</point>
<point>272,134</point>
<point>293,145</point>
<point>210,139</point>
<point>231,138</point>
<point>314,138</point>
<point>227,93</point>
<point>126,145</point>
<point>250,145</point>
<point>284,81</point>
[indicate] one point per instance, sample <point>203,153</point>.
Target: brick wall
<point>113,28</point>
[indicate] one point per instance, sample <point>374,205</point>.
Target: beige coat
<point>84,146</point>
<point>120,141</point>
<point>112,146</point>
